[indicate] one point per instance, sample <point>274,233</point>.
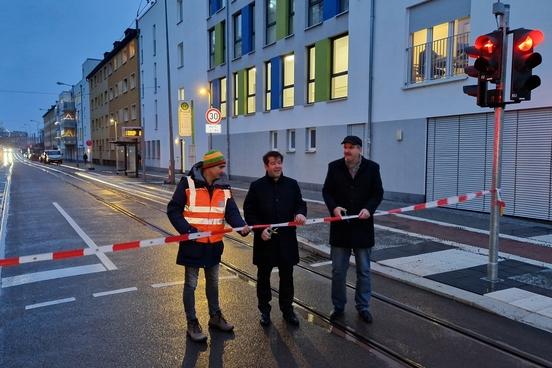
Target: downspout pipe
<point>371,77</point>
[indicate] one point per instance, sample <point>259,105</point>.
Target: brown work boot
<point>218,321</point>
<point>195,332</point>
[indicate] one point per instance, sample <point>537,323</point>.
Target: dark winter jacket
<point>269,201</point>
<point>192,253</point>
<point>364,191</point>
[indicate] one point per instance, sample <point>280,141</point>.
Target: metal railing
<point>447,58</point>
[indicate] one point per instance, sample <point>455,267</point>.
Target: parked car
<point>52,156</point>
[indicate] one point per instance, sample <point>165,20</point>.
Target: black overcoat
<point>364,191</point>
<point>269,201</point>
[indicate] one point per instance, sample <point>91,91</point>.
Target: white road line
<point>5,203</point>
<point>51,302</point>
<point>102,256</point>
<point>111,292</point>
<point>51,275</point>
<point>230,277</point>
<point>167,284</point>
<point>319,264</point>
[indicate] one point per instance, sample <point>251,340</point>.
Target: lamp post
<point>207,92</point>
<point>171,174</point>
<point>76,123</point>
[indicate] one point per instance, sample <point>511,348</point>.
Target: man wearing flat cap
<point>352,187</point>
<point>199,204</point>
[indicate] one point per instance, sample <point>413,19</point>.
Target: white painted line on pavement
<point>51,275</point>
<point>230,277</point>
<point>102,256</point>
<point>167,284</point>
<point>51,302</point>
<point>111,292</point>
<point>319,264</point>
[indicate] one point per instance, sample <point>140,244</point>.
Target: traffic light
<point>487,67</point>
<point>523,62</point>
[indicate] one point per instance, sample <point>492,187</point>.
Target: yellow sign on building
<point>185,119</point>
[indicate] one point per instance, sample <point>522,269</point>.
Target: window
<point>125,85</point>
<point>268,84</point>
<point>216,5</point>
<point>340,67</point>
<point>289,79</point>
<point>270,21</point>
<point>180,53</point>
<point>133,114</point>
<point>237,19</point>
<point>291,140</point>
<point>132,81</point>
<point>125,114</point>
<point>131,49</point>
<point>141,51</point>
<point>179,11</point>
<point>124,55</point>
<point>443,46</point>
<point>211,47</point>
<point>311,139</point>
<point>154,41</point>
<point>311,74</point>
<point>156,116</point>
<point>274,140</point>
<point>236,92</point>
<point>110,94</point>
<point>223,97</point>
<point>315,12</point>
<point>251,85</point>
<point>291,15</point>
<point>181,95</point>
<point>343,5</point>
<point>155,78</point>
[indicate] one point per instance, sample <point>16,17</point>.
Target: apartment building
<point>114,104</point>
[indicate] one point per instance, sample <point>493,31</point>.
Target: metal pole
<point>227,36</point>
<point>170,178</point>
<point>502,11</point>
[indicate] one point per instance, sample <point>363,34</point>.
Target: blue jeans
<point>191,275</point>
<point>340,264</point>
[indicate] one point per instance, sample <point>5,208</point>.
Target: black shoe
<point>291,318</point>
<point>366,316</point>
<point>265,319</point>
<point>336,314</point>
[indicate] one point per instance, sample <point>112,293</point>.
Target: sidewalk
<point>445,251</point>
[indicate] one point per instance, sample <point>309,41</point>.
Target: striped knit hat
<point>213,158</point>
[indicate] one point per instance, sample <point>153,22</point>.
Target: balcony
<point>447,59</point>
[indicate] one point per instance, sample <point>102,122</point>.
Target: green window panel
<point>322,70</point>
<point>282,18</point>
<point>242,92</point>
<point>219,43</point>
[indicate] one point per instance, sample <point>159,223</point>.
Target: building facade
<point>114,103</point>
<point>50,128</point>
<point>81,91</point>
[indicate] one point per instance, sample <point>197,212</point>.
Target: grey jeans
<point>191,275</point>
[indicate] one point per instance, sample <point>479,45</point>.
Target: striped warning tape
<point>73,253</point>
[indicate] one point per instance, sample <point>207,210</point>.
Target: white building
<point>299,75</point>
<point>81,91</point>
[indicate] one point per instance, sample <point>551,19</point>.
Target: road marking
<point>319,264</point>
<point>230,277</point>
<point>167,284</point>
<point>51,275</point>
<point>111,292</point>
<point>103,258</point>
<point>51,302</point>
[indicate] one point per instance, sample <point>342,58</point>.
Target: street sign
<point>89,143</point>
<point>185,119</point>
<point>213,118</point>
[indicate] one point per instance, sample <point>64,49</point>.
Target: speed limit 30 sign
<point>213,116</point>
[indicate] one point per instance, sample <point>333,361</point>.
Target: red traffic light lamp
<point>523,62</point>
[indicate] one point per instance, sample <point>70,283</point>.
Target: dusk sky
<point>45,41</point>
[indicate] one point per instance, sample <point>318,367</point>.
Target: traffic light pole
<point>502,11</point>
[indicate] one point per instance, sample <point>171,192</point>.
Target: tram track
<point>346,330</point>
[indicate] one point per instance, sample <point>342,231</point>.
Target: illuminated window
<point>268,84</point>
<point>340,67</point>
<point>311,74</point>
<point>223,97</point>
<point>236,93</point>
<point>289,81</point>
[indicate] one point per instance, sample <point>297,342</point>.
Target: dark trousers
<point>264,294</point>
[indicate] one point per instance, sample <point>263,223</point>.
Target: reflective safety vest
<point>205,212</point>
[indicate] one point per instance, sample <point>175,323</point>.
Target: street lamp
<point>207,92</point>
<point>77,122</point>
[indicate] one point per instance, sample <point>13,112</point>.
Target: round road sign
<point>213,116</point>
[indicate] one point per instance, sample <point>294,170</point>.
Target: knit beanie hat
<point>213,158</point>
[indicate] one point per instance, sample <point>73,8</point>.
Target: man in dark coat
<point>275,198</point>
<point>352,186</point>
<point>212,203</point>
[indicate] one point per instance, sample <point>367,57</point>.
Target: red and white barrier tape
<point>73,253</point>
